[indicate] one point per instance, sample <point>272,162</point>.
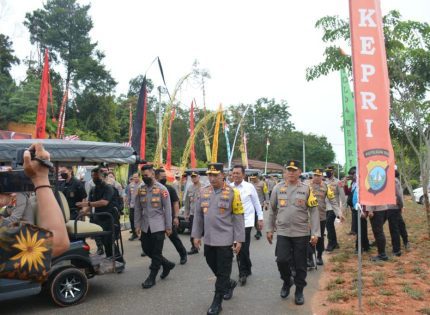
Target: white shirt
<point>250,202</point>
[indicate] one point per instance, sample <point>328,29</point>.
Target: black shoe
<point>133,237</point>
<point>299,299</point>
<point>100,251</point>
<point>166,269</point>
<point>382,257</point>
<point>229,294</point>
<point>193,251</point>
<point>143,255</point>
<point>310,263</point>
<point>257,237</point>
<point>150,281</point>
<point>407,247</point>
<point>242,280</point>
<point>215,307</point>
<point>398,254</point>
<point>332,247</point>
<point>285,290</point>
<point>183,260</point>
<point>320,261</point>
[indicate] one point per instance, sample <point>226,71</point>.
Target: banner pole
<point>359,274</point>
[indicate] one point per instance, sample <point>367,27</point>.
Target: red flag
<point>169,141</point>
<point>372,104</point>
<point>43,100</point>
<point>193,152</point>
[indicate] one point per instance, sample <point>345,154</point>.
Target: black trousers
<point>257,231</point>
<point>131,217</point>
<point>320,243</point>
<point>106,240</point>
<point>220,260</point>
<point>354,220</point>
<point>365,245</point>
<point>292,252</point>
<point>378,220</point>
<point>191,230</point>
<point>152,245</point>
<point>245,263</point>
<point>176,241</point>
<point>402,230</point>
<point>331,231</point>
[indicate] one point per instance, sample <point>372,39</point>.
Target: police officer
<point>131,192</point>
<point>161,177</point>
<point>263,196</point>
<point>219,213</point>
<point>152,220</point>
<point>323,193</point>
<point>337,187</point>
<point>292,205</point>
<point>191,198</point>
<point>72,188</point>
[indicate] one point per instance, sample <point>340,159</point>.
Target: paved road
<point>187,290</point>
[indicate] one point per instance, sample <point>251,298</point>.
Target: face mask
<point>163,181</point>
<point>147,180</point>
<point>329,174</point>
<point>97,181</point>
<point>64,175</point>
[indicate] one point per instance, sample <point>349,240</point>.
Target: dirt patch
<point>398,286</point>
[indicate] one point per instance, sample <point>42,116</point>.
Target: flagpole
<point>304,156</point>
<point>267,152</point>
<point>235,136</point>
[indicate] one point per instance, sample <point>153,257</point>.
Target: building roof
<point>271,167</point>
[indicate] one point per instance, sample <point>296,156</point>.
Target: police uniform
<point>219,212</point>
<point>263,196</point>
<point>324,196</point>
<point>291,208</point>
<point>337,187</point>
<point>191,197</point>
<point>74,191</point>
<point>153,215</point>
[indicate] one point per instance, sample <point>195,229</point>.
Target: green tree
<point>407,46</point>
<point>63,26</point>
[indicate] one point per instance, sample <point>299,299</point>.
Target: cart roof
<point>72,151</point>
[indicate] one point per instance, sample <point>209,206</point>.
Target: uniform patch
<point>205,204</point>
<point>164,193</point>
<point>156,191</point>
<point>221,210</point>
<point>282,202</point>
<point>300,202</point>
<point>142,192</point>
<point>206,196</point>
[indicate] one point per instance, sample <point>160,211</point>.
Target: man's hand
<point>168,232</point>
<point>33,168</point>
<point>197,243</point>
<point>81,204</point>
<point>176,221</point>
<point>236,247</point>
<point>138,231</point>
<point>341,218</point>
<point>269,236</point>
<point>370,214</point>
<point>314,240</point>
<point>260,225</point>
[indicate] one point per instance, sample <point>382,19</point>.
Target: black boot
<point>285,290</point>
<point>216,307</point>
<point>193,251</point>
<point>167,266</point>
<point>150,281</point>
<point>229,294</point>
<point>299,299</point>
<point>320,261</point>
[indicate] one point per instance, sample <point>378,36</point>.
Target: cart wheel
<point>69,287</point>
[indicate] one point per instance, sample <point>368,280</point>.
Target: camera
<point>20,156</point>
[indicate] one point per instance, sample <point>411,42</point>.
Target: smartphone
<point>15,181</point>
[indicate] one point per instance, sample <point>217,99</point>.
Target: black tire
<point>68,287</point>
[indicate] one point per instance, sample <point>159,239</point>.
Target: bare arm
<point>50,215</point>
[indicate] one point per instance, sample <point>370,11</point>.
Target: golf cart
<point>67,283</point>
<point>183,223</point>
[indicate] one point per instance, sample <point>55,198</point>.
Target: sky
<point>252,49</point>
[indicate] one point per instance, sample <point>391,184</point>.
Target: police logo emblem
<point>376,178</point>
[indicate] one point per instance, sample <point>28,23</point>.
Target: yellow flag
<point>216,134</point>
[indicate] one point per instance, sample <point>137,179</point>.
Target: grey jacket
<point>24,210</point>
<point>336,186</point>
<point>220,215</point>
<point>292,206</point>
<point>190,199</point>
<point>325,196</point>
<point>152,208</point>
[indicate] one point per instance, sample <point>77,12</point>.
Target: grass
<point>425,311</point>
<point>418,270</point>
<point>378,278</point>
<point>341,257</point>
<point>335,311</point>
<point>386,292</point>
<point>338,295</point>
<point>338,268</point>
<point>413,293</point>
